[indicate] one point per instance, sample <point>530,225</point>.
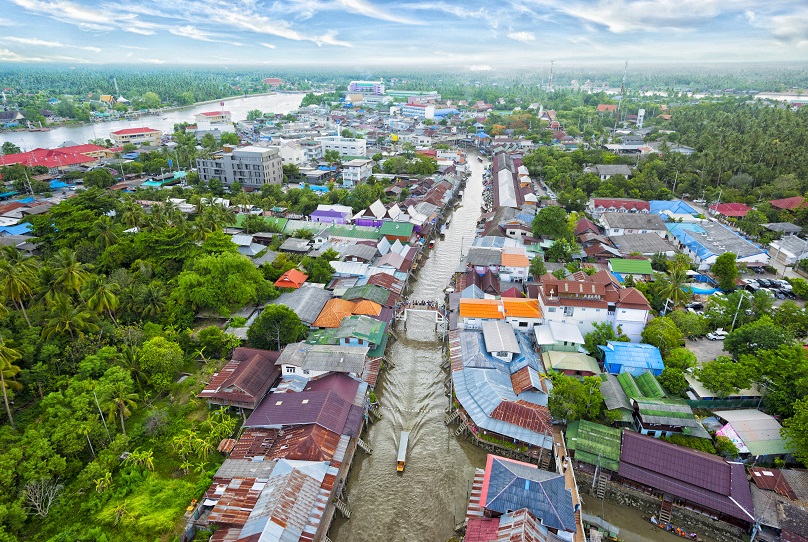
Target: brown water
<point>431,495</point>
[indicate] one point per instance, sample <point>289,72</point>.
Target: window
<point>551,309</point>
<point>522,324</point>
<point>306,371</point>
<point>568,311</point>
<point>291,369</point>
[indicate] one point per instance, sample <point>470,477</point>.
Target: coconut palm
<point>105,232</point>
<point>151,300</point>
<point>48,288</point>
<point>673,285</point>
<point>71,274</point>
<point>120,399</point>
<point>8,373</point>
<point>17,278</point>
<point>133,215</point>
<point>101,296</point>
<point>65,317</point>
<point>130,360</point>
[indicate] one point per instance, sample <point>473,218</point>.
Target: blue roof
<point>19,229</point>
<point>632,355</point>
<point>58,184</point>
<point>686,233</point>
<point>8,194</point>
<point>675,206</point>
<point>318,188</point>
<point>513,485</point>
<point>29,199</point>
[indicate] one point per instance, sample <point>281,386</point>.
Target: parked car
<point>714,337</point>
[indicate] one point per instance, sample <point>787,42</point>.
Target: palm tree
<point>17,278</point>
<point>673,285</point>
<point>101,296</point>
<point>130,360</point>
<point>47,285</point>
<point>121,399</point>
<point>105,232</point>
<point>8,370</point>
<point>151,300</point>
<point>133,215</point>
<point>64,317</point>
<point>71,274</point>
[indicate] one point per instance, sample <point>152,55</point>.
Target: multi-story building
<point>585,300</point>
<point>137,136</point>
<point>375,88</point>
<point>346,146</point>
<point>250,166</point>
<point>214,116</point>
<point>356,171</point>
<point>423,111</point>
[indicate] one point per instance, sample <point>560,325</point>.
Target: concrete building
<point>292,153</point>
<point>214,116</point>
<point>250,166</point>
<point>707,240</point>
<point>421,111</point>
<point>356,171</point>
<point>346,146</point>
<point>137,136</point>
<point>789,250</point>
<point>375,88</point>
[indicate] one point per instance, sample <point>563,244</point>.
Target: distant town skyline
<point>478,35</point>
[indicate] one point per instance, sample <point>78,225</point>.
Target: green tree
<point>601,334</point>
<point>680,358</point>
<point>573,399</point>
<point>725,376</point>
<point>8,373</point>
<point>762,334</point>
<point>726,270</point>
<point>229,138</point>
<point>70,273</point>
<point>222,282</point>
<point>160,360</point>
<point>118,394</point>
<point>99,178</point>
<point>101,296</point>
<point>725,447</point>
<point>791,317</point>
<point>105,232</point>
<point>561,250</point>
<point>64,317</point>
<point>10,148</point>
<point>254,114</point>
<point>551,222</point>
<point>663,333</point>
<point>690,324</point>
<point>673,285</point>
<point>276,327</point>
<point>673,380</point>
<point>18,278</point>
<point>537,267</point>
<point>795,430</point>
<point>209,142</point>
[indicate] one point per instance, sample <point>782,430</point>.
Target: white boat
<point>402,450</point>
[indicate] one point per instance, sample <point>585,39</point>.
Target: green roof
<point>649,387</point>
<point>370,292</point>
<point>629,385</point>
<point>354,232</point>
<point>631,267</point>
<point>242,217</point>
<point>403,229</point>
<point>594,443</point>
<point>380,347</point>
<point>359,327</point>
<point>665,408</point>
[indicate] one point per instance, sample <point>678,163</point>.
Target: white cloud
<point>524,37</point>
<point>306,9</point>
<point>152,60</point>
<point>267,45</point>
<point>451,9</point>
<point>96,18</point>
<point>6,22</point>
<point>36,42</point>
<point>134,47</point>
<point>7,55</point>
<point>789,28</point>
<point>480,68</point>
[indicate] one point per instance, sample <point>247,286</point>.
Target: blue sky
<point>479,34</point>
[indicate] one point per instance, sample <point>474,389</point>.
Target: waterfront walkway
<point>564,465</point>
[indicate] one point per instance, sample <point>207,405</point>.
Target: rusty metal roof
<point>308,443</point>
<point>244,380</point>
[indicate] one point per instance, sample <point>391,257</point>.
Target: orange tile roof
<point>521,308</point>
<point>291,279</point>
<point>514,259</point>
<point>366,307</point>
<point>481,308</point>
<point>333,312</point>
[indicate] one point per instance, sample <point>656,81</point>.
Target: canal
<point>426,500</point>
<point>239,107</point>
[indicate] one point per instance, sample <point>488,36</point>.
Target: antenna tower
<point>622,93</point>
<point>550,80</point>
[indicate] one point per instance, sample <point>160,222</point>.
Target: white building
<point>346,146</point>
<point>292,153</point>
<point>584,300</point>
<point>356,171</point>
<point>789,250</point>
<point>250,166</point>
<point>137,136</point>
<point>422,111</point>
<point>615,224</point>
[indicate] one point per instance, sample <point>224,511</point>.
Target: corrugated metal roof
<point>512,485</point>
<point>704,479</point>
<point>499,337</point>
<point>324,357</point>
<point>307,302</point>
<point>244,380</point>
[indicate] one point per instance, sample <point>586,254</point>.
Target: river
<point>426,500</point>
<point>273,103</point>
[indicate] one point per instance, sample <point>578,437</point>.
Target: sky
<point>477,34</point>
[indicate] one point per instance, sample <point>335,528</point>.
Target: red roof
<point>738,210</point>
<point>129,131</point>
<point>622,203</point>
<point>789,203</point>
<point>606,107</point>
<point>215,113</point>
<point>291,279</point>
<point>51,158</point>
